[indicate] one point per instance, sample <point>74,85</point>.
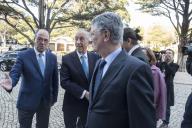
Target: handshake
<point>6,82</point>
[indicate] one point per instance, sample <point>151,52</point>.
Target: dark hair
<point>170,50</point>
<point>133,34</point>
<point>151,56</point>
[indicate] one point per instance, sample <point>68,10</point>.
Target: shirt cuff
<point>83,94</point>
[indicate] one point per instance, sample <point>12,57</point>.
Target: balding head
<point>41,40</point>
<point>82,39</point>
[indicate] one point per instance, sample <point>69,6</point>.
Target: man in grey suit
<point>121,90</point>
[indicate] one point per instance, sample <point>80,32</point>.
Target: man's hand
<point>87,95</point>
<point>6,83</point>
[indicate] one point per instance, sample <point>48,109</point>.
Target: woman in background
<point>160,91</point>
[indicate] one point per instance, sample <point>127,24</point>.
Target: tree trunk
<point>181,60</point>
<point>3,39</point>
<point>41,14</point>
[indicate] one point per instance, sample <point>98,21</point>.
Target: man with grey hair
<point>121,90</point>
<point>76,72</point>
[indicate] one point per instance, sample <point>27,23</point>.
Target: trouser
<point>168,113</point>
<point>42,117</point>
<point>74,118</point>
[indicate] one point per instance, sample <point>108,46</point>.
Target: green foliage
<point>158,37</point>
<point>57,16</point>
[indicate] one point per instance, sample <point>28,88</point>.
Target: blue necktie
<point>85,65</point>
<point>41,64</point>
<point>98,77</point>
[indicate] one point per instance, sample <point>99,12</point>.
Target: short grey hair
<point>87,34</point>
<point>111,22</point>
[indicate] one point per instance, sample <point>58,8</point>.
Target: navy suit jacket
<point>125,96</point>
<point>74,81</point>
<point>35,87</point>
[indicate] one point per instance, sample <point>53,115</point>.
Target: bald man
<point>39,84</point>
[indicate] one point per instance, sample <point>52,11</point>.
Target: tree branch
<point>21,15</point>
<point>56,13</point>
<point>176,27</point>
<point>14,27</point>
<point>25,8</point>
<point>28,10</point>
<point>170,6</point>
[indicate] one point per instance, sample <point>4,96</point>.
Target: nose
<point>78,41</point>
<point>91,39</point>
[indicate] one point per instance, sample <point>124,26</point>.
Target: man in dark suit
<point>169,68</point>
<point>39,83</point>
<point>187,117</point>
<point>76,72</point>
<point>121,90</point>
<point>131,45</point>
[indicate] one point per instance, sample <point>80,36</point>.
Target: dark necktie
<point>98,77</point>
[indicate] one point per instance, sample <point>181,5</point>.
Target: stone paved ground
<point>8,112</point>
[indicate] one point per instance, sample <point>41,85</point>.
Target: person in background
<point>160,90</point>
<point>169,69</point>
<point>76,72</point>
<point>131,45</point>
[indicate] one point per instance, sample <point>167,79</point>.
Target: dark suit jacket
<point>169,71</point>
<point>125,96</point>
<point>187,118</point>
<point>138,53</point>
<point>189,65</point>
<point>74,81</point>
<point>34,87</point>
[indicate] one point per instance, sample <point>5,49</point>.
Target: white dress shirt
<point>43,56</point>
<point>133,49</point>
<point>109,59</point>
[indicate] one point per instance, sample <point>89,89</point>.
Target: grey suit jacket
<point>125,96</point>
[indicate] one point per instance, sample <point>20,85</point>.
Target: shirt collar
<point>80,54</point>
<point>133,49</point>
<point>109,59</point>
<point>37,53</point>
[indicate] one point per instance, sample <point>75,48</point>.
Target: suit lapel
<point>135,51</point>
<point>92,83</point>
<point>79,66</point>
<point>91,65</point>
<point>47,63</point>
<point>35,62</point>
<point>111,73</point>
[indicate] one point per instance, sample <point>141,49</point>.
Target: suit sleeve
<point>16,70</point>
<point>189,65</point>
<point>55,82</point>
<point>187,118</point>
<point>66,82</point>
<point>140,99</point>
<point>162,103</point>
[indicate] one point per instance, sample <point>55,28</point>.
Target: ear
<point>129,40</point>
<point>107,35</point>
